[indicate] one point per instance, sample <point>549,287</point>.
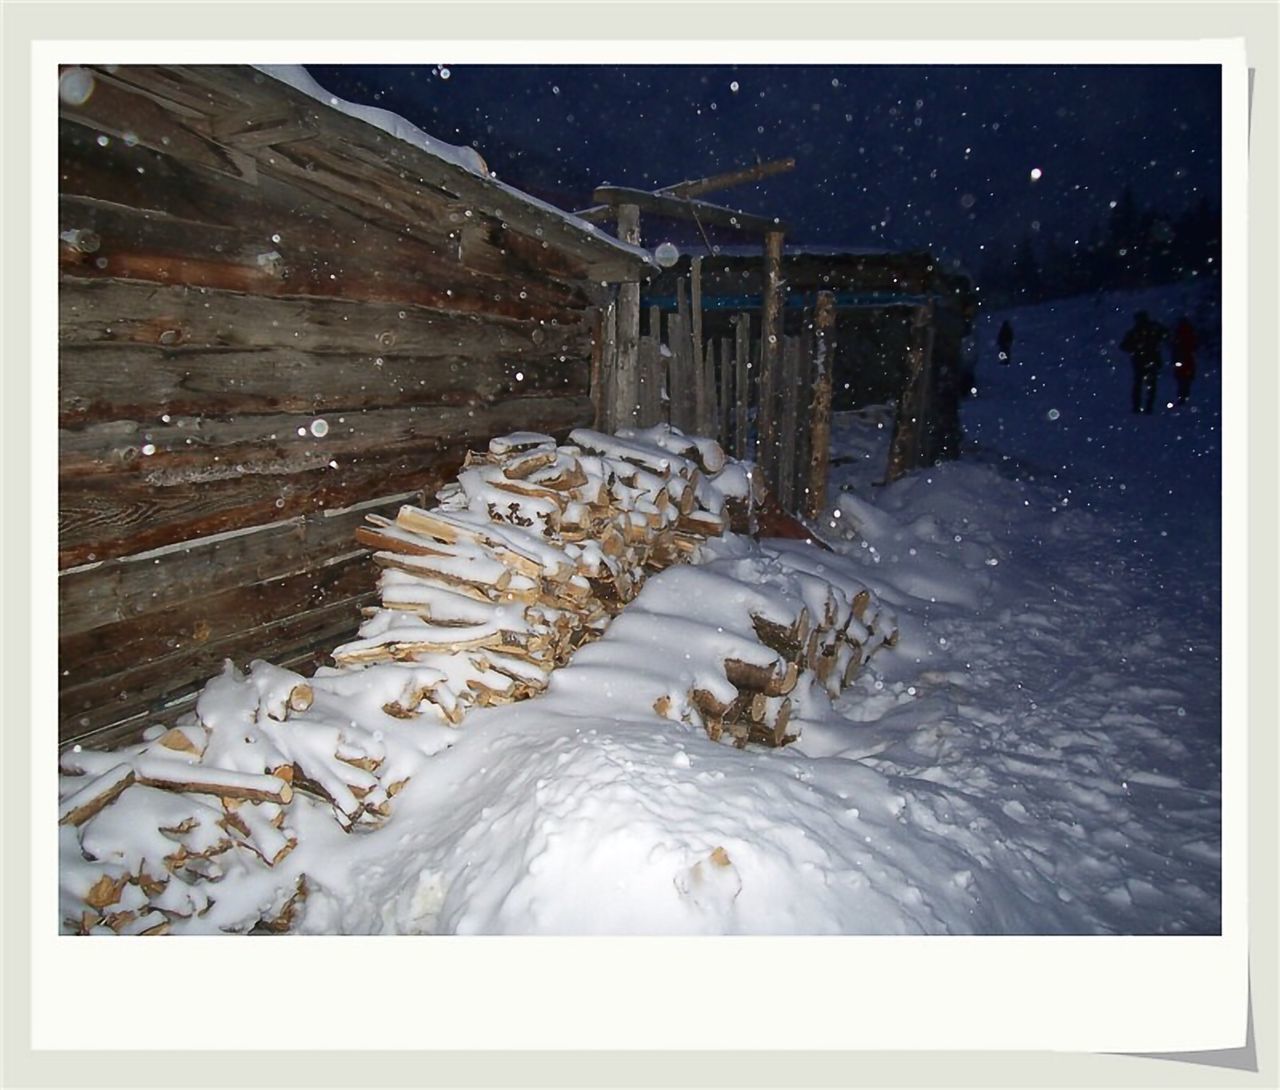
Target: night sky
<point>938,157</point>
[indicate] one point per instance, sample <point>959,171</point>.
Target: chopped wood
<point>173,775</point>
<point>773,680</point>
<point>96,795</point>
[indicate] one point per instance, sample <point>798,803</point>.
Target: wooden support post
<point>606,396</point>
<point>742,383</point>
<point>824,358</point>
<point>627,387</point>
<point>770,359</point>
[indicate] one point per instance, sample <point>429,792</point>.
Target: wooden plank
<point>195,449</point>
<point>654,372</point>
<point>106,726</point>
<point>742,384</point>
<point>770,360</point>
<point>100,703</point>
<point>684,408</point>
<point>725,374</point>
<point>107,310</point>
<point>183,630</point>
<point>106,382</point>
<point>650,382</point>
<point>824,323</point>
<point>627,378</point>
<point>105,517</point>
<point>697,356</point>
<point>128,587</point>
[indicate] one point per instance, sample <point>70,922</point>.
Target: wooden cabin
<point>275,318</point>
<point>899,328</point>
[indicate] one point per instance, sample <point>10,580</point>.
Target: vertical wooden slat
<point>627,387</point>
<point>770,357</point>
<point>697,354</point>
<point>742,383</point>
<point>789,391</point>
<point>726,391</point>
<point>678,380</point>
<point>652,372</point>
<point>905,447</point>
<point>684,408</point>
<point>804,400</point>
<point>824,355</point>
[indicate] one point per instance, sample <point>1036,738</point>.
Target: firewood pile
<point>755,641</point>
<point>527,559</point>
<point>530,554</point>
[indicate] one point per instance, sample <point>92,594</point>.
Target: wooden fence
<point>773,407</point>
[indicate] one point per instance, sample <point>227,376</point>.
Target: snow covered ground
<point>1039,754</point>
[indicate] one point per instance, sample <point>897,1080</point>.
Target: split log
<point>776,679</point>
<point>173,775</point>
<point>95,796</point>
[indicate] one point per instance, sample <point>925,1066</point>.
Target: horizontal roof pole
<point>659,204</point>
<point>695,187</point>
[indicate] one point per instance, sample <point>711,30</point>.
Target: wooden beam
<point>684,208</point>
<point>696,187</point>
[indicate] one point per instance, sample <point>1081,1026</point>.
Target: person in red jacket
<point>1185,343</point>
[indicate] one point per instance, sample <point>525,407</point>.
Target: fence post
<point>790,393</point>
<point>652,372</point>
<point>770,358</point>
<point>824,359</point>
<point>627,387</point>
<point>905,449</point>
<point>605,380</point>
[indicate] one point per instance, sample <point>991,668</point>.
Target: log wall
<point>273,319</point>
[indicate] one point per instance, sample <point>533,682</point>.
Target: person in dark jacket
<point>1004,342</point>
<point>1185,344</point>
<point>1144,343</point>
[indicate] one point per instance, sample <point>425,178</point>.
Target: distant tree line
<point>1132,247</point>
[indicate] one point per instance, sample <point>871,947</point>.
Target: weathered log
<point>95,796</point>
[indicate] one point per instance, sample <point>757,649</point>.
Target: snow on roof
<point>297,77</point>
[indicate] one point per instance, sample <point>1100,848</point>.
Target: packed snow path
<point>1039,754</point>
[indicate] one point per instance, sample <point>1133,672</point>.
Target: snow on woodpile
<point>532,553</point>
